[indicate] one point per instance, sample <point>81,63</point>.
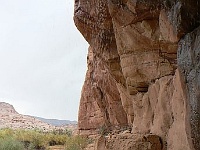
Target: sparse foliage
<point>9,143</point>
<point>103,130</point>
<point>76,143</point>
<point>34,139</point>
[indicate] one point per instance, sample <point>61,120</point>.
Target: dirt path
<point>57,147</point>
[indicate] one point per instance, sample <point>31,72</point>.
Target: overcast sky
<point>42,58</point>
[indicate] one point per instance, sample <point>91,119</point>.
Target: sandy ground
<point>57,147</point>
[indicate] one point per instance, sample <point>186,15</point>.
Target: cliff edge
<point>143,72</point>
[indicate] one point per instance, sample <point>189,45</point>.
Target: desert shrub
<point>9,143</point>
<point>38,140</point>
<point>30,138</point>
<point>6,132</point>
<point>56,139</point>
<point>76,143</point>
<point>103,130</point>
<point>60,139</point>
<point>68,132</point>
<point>34,139</point>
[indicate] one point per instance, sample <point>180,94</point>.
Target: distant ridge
<point>56,122</point>
<point>10,118</point>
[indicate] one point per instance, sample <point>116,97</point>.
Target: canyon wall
<point>133,78</point>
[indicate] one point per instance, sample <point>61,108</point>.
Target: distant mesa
<point>10,118</point>
<point>57,122</point>
<point>6,108</point>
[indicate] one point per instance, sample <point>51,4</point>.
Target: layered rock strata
<point>133,78</point>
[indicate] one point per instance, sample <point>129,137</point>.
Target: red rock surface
<point>133,78</point>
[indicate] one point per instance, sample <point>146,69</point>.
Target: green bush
<point>6,132</point>
<point>68,132</point>
<point>8,143</point>
<point>34,138</point>
<point>56,139</point>
<point>76,143</point>
<point>21,139</point>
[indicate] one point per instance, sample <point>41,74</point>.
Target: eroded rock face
<point>189,63</point>
<point>132,78</point>
<point>129,142</point>
<point>100,105</point>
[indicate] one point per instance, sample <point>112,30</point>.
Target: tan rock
<point>133,142</point>
<point>100,105</point>
<point>132,77</point>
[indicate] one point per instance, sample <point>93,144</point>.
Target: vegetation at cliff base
<point>21,139</point>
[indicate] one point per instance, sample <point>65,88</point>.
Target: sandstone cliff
<point>133,78</point>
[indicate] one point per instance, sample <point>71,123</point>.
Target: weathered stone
<point>189,63</point>
<point>100,105</point>
<point>133,78</point>
<point>129,141</point>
